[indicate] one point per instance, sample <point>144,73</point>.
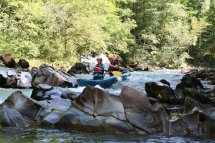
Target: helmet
<point>111,56</point>
<point>99,58</point>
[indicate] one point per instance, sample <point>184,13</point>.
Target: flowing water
<point>137,80</point>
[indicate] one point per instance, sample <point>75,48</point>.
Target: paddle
<point>117,73</point>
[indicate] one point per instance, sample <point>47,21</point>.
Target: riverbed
<point>137,80</point>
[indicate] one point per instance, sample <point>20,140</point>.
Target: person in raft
<point>113,66</point>
<point>98,70</point>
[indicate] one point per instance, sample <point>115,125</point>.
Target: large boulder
<point>97,102</point>
<point>78,120</point>
<point>10,117</point>
<point>48,75</point>
<point>141,114</point>
<point>78,68</point>
<point>199,119</point>
<point>23,63</point>
<point>96,110</point>
<point>205,74</point>
<point>161,91</point>
<point>93,110</point>
<point>20,111</point>
<point>3,80</point>
<point>11,78</point>
<point>8,60</point>
<point>191,82</point>
<point>192,87</point>
<point>8,77</point>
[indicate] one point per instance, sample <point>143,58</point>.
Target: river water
<point>137,80</point>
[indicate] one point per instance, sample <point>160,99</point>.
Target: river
<point>137,80</point>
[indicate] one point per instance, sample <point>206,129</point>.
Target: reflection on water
<point>23,135</point>
<point>136,80</point>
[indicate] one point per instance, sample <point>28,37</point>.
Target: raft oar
<point>117,73</point>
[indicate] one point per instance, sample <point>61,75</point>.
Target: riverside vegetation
<point>170,33</point>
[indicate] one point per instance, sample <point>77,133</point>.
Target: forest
<point>164,33</point>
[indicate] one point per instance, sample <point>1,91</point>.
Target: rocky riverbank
<point>53,104</point>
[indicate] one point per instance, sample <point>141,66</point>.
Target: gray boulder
<point>8,77</point>
<point>162,92</point>
<point>51,76</point>
<point>94,110</point>
<point>8,60</point>
<point>199,119</point>
<point>20,111</point>
<point>140,112</point>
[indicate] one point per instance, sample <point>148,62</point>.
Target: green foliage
<point>166,30</point>
<point>63,30</point>
<point>60,31</point>
<point>203,52</point>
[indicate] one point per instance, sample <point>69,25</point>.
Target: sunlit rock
<point>20,111</point>
<point>49,75</point>
<point>97,102</point>
<point>93,110</point>
<point>97,110</point>
<point>10,117</point>
<point>24,80</point>
<point>44,91</point>
<point>12,78</point>
<point>78,120</point>
<point>140,112</point>
<point>8,77</point>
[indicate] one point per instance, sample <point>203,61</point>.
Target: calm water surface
<point>136,80</point>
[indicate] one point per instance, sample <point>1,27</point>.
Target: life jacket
<point>112,68</point>
<point>98,69</point>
